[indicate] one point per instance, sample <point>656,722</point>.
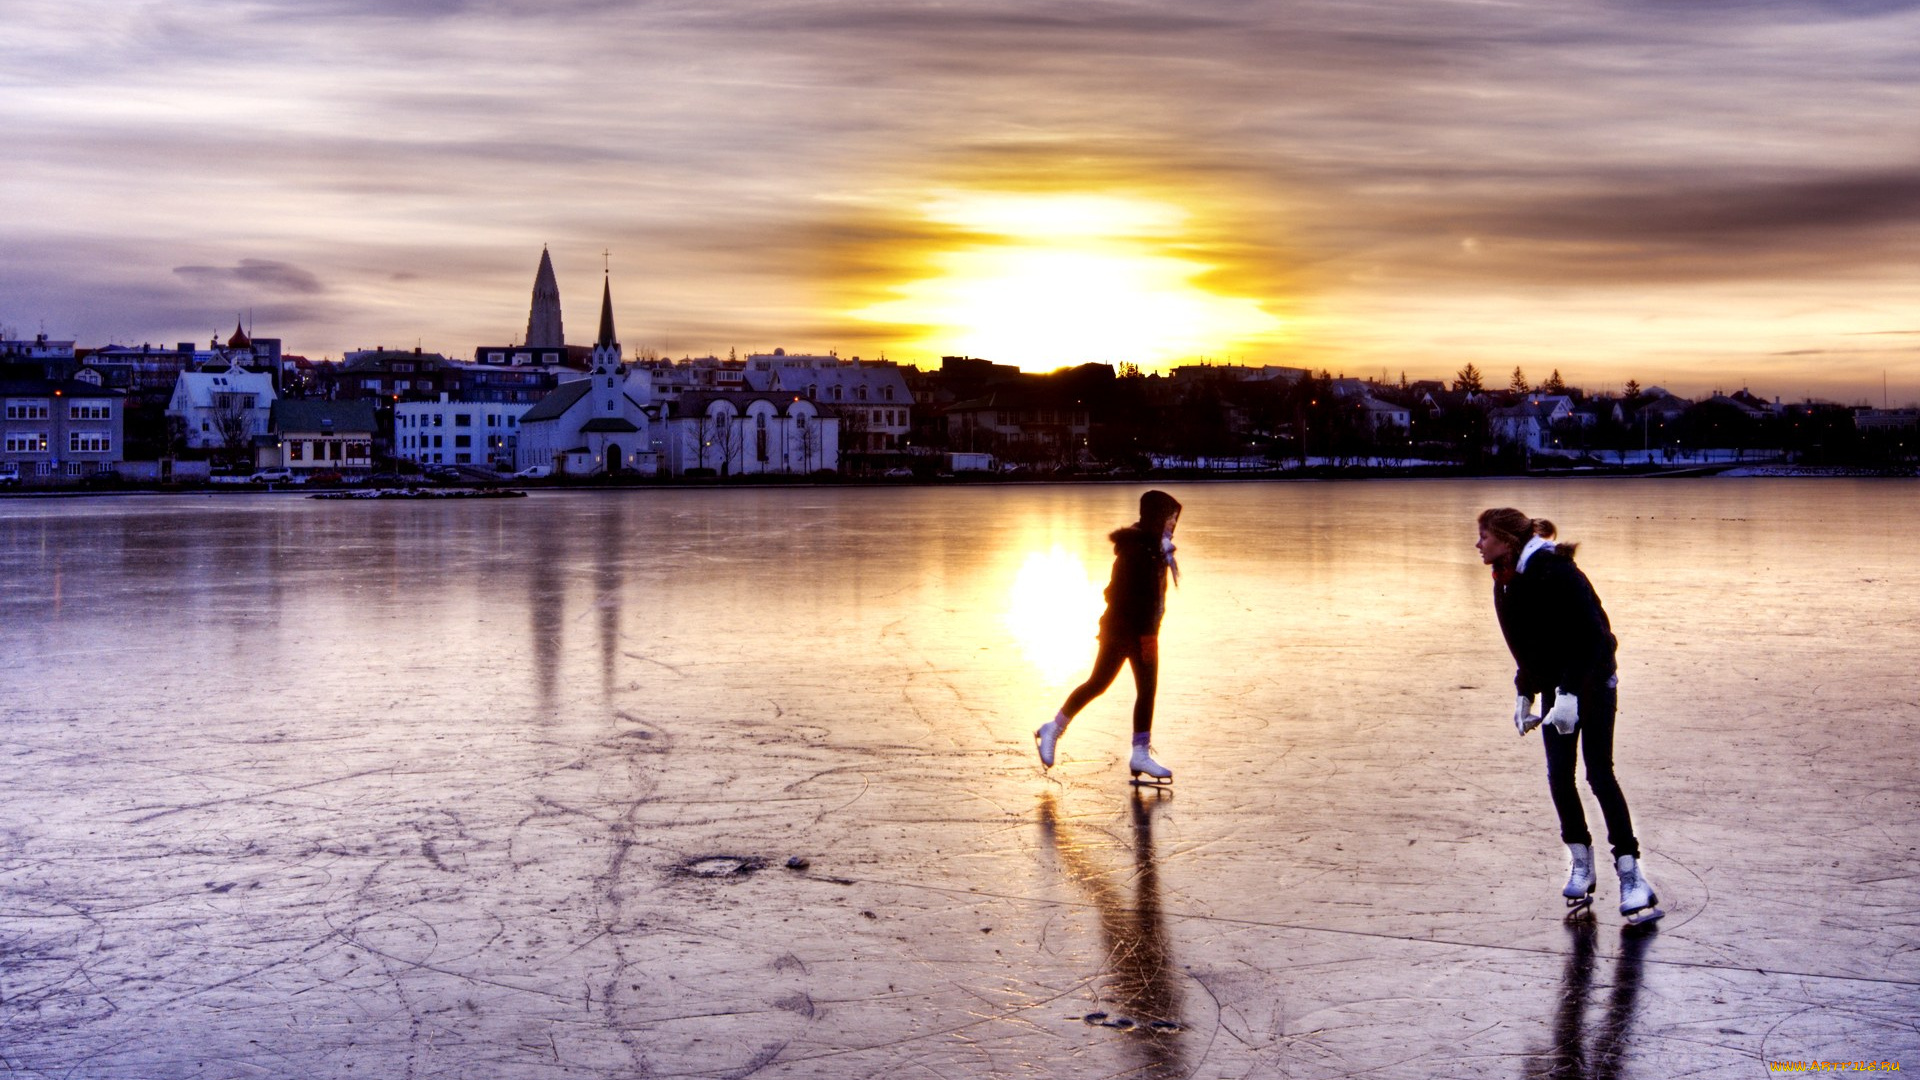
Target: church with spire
<point>596,424</point>
<point>545,345</point>
<point>610,420</point>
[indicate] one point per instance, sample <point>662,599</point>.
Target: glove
<point>1565,715</point>
<point>1522,707</point>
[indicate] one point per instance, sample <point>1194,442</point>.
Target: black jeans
<point>1144,654</point>
<point>1593,739</point>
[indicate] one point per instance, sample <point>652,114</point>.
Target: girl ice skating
<point>1564,647</point>
<point>1130,631</point>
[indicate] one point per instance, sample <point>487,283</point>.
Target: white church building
<point>594,425</point>
<point>750,433</point>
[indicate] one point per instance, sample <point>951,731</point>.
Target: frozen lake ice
<point>294,788</point>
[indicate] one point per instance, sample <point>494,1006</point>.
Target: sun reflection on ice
<point>1053,611</point>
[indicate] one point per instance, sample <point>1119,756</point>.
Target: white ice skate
<point>1579,890</point>
<point>1047,736</point>
<point>1157,774</point>
<point>1637,899</point>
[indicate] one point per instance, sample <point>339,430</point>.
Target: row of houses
<point>546,405</point>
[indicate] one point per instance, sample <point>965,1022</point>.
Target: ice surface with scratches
<point>742,783</point>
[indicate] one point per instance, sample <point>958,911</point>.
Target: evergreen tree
<point>1518,384</point>
<point>1554,384</point>
<point>1633,389</point>
<point>1468,379</point>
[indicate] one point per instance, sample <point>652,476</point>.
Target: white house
<point>745,433</point>
<point>448,432</point>
<point>1529,422</point>
<point>323,436</point>
<point>871,399</point>
<point>223,409</point>
<point>596,424</point>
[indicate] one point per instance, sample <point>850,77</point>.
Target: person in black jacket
<point>1563,648</point>
<point>1130,630</point>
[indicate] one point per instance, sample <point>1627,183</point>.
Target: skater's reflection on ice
<point>1576,1052</point>
<point>1138,991</point>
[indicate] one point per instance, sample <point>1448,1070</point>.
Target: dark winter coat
<point>1555,627</point>
<point>1137,592</point>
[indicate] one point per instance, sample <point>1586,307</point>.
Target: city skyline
<point>1698,196</point>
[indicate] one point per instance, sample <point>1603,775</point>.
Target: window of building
<point>88,410</point>
<point>436,446</point>
<point>27,410</point>
<point>462,419</point>
<point>887,392</point>
<point>463,459</point>
<point>462,440</point>
<point>860,392</point>
<point>437,418</point>
<point>296,450</point>
<point>836,393</point>
<point>73,468</point>
<point>27,442</point>
<point>88,442</point>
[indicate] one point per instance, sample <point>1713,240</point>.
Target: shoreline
<point>1315,473</point>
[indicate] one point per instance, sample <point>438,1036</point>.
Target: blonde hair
<point>1517,528</point>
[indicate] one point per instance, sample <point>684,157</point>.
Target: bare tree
<point>728,437</point>
<point>233,423</point>
<point>703,429</point>
<point>808,436</point>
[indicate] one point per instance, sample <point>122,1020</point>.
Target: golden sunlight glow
<point>1045,281</point>
<point>1053,612</point>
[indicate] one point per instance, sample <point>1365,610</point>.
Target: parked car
<point>534,472</point>
<point>10,474</point>
<point>277,476</point>
<point>442,472</point>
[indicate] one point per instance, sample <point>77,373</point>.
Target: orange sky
<point>1700,195</point>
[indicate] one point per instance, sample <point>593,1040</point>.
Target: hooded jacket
<point>1554,625</point>
<point>1137,593</point>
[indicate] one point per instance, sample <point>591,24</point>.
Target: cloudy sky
<point>1696,193</point>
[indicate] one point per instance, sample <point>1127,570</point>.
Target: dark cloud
<point>264,275</point>
<point>1724,215</point>
<point>434,9</point>
<point>1770,10</point>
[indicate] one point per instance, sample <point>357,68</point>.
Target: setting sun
<point>1044,281</point>
<point>1052,609</point>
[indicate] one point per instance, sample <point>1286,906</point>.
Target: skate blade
<point>1644,916</point>
<point>1579,907</point>
<point>1151,781</point>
